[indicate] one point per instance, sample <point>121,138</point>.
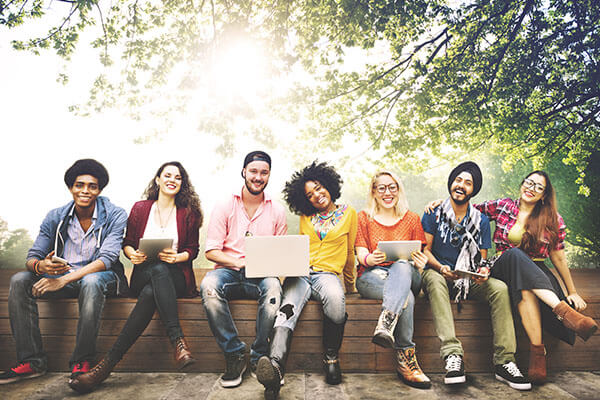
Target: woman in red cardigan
<point>172,211</point>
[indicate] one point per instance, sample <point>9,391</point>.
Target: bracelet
<point>36,264</point>
<point>365,260</point>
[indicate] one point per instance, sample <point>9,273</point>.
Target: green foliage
<point>13,246</point>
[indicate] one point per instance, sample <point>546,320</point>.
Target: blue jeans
<point>396,285</point>
<point>223,284</point>
<point>91,291</point>
<point>157,286</point>
<point>324,287</point>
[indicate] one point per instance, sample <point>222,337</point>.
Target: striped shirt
<point>79,245</point>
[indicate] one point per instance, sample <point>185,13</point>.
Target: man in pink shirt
<point>251,212</point>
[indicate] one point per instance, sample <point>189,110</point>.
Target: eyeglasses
<point>392,187</point>
<point>529,184</point>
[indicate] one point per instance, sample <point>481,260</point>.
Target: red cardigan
<point>188,227</point>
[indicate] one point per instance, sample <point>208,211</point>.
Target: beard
<point>252,191</point>
<point>463,201</point>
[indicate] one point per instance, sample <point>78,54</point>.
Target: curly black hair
<point>86,166</point>
<point>294,194</point>
<point>185,198</point>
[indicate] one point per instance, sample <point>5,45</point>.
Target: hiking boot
<point>408,369</point>
<point>236,365</point>
<point>384,331</point>
<point>21,371</point>
<point>510,374</point>
<point>455,368</point>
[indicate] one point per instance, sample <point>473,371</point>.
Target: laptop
<point>276,256</point>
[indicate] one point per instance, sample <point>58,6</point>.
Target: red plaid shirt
<point>504,212</point>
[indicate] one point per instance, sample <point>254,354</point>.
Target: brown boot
<point>183,355</point>
<point>537,364</point>
<point>409,371</point>
<point>85,383</point>
<point>582,325</point>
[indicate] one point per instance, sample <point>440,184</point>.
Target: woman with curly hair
<point>387,217</point>
<point>171,210</point>
<point>331,228</point>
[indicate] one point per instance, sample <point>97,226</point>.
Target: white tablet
<point>151,247</point>
<point>399,249</point>
<point>469,274</point>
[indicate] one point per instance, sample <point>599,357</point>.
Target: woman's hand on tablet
<point>420,259</point>
<point>137,257</point>
<point>376,257</point>
<point>168,255</point>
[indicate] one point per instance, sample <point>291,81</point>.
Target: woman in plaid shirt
<point>528,231</point>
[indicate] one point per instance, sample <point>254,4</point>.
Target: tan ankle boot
<point>582,325</point>
<point>85,383</point>
<point>537,364</point>
<point>409,371</point>
<point>183,355</point>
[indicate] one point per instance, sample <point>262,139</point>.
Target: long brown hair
<point>542,223</point>
<point>185,198</point>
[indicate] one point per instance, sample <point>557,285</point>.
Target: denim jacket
<point>109,229</point>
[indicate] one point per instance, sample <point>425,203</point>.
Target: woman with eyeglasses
<point>387,217</point>
<point>171,211</point>
<point>528,231</point>
<point>331,228</point>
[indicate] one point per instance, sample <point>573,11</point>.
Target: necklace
<point>160,220</point>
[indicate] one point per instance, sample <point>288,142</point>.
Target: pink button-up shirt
<point>229,224</point>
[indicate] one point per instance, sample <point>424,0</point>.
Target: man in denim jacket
<point>76,254</point>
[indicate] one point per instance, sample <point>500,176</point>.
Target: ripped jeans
<point>224,284</point>
<point>324,287</point>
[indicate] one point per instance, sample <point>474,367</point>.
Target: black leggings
<point>156,286</point>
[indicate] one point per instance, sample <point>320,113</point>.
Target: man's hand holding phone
<point>53,265</point>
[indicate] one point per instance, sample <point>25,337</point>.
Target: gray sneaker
<point>236,365</point>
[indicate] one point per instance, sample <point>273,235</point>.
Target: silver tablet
<point>151,247</point>
<point>399,249</point>
<point>469,274</point>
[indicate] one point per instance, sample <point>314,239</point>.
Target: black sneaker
<point>455,368</point>
<point>236,365</point>
<point>21,371</point>
<point>510,374</point>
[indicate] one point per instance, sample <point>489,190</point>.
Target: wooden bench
<point>152,352</point>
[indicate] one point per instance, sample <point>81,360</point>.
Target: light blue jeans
<point>223,284</point>
<point>324,287</point>
<point>395,285</point>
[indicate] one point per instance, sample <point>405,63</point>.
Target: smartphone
<point>58,259</point>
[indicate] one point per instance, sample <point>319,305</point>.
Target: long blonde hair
<point>401,206</point>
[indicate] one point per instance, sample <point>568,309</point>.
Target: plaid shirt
<point>504,212</point>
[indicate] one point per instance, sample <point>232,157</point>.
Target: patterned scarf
<point>466,236</point>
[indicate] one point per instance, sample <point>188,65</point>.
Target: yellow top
<point>515,235</point>
<point>335,253</point>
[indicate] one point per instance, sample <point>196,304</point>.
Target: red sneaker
<point>21,371</point>
<point>80,368</point>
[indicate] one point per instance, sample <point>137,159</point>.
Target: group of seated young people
<point>76,255</point>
